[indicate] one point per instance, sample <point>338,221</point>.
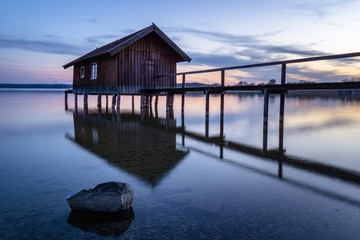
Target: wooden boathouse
<point>128,65</point>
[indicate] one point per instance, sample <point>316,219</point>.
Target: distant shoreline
<point>15,85</point>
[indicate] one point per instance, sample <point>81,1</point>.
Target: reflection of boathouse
<point>140,147</point>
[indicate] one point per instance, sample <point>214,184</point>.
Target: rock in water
<point>105,197</point>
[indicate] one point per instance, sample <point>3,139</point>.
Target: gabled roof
<point>120,44</point>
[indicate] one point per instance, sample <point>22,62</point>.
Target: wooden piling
<point>182,102</point>
<point>266,105</point>
<point>283,74</point>
<point>133,104</point>
<point>66,100</point>
<point>222,125</point>
<point>118,101</point>
<point>207,114</point>
<point>266,114</point>
<point>281,122</point>
<point>169,101</point>
<point>85,99</point>
<point>76,98</point>
<point>99,100</point>
<point>113,101</point>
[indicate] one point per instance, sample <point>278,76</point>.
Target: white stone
<point>105,197</point>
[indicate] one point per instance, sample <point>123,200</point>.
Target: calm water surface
<point>186,186</point>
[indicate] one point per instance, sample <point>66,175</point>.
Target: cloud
<point>240,50</point>
<point>101,40</point>
<point>41,46</point>
<point>319,8</point>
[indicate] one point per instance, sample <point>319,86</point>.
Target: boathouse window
<point>93,70</point>
<point>82,72</point>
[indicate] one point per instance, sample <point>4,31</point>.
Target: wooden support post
<point>283,74</point>
<point>76,98</point>
<point>281,133</point>
<point>150,101</point>
<point>265,137</point>
<point>66,100</point>
<point>207,104</point>
<point>113,101</point>
<point>281,121</point>
<point>183,81</point>
<point>141,102</point>
<point>156,106</point>
<point>222,125</point>
<point>266,105</point>
<point>182,128</point>
<point>85,105</point>
<point>107,102</point>
<point>182,102</point>
<point>169,101</point>
<point>118,101</point>
<point>266,113</point>
<point>133,104</point>
<point>222,78</point>
<point>99,100</point>
<point>85,99</point>
<point>146,102</point>
<point>222,115</point>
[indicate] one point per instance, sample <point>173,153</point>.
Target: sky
<point>38,37</point>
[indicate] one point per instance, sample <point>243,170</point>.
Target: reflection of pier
<point>129,142</point>
<point>273,155</point>
<point>154,169</point>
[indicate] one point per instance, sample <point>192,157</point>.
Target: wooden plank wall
<point>142,61</point>
<point>134,68</point>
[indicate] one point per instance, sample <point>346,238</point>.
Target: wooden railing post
<point>222,78</point>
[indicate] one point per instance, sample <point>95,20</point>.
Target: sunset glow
<point>34,45</point>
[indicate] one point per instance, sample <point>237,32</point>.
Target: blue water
<point>182,191</point>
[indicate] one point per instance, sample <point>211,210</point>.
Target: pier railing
<point>282,63</point>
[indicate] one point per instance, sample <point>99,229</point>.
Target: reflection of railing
<point>314,189</point>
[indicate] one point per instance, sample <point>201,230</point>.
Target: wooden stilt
<point>182,102</point>
<point>207,114</point>
<point>281,133</point>
<point>266,113</point>
<point>133,104</point>
<point>99,100</point>
<point>266,105</point>
<point>222,125</point>
<point>107,103</point>
<point>182,125</point>
<point>66,100</point>
<point>281,122</point>
<point>113,101</point>
<point>76,99</point>
<point>118,101</point>
<point>85,99</point>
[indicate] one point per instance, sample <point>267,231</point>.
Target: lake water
<point>187,186</point>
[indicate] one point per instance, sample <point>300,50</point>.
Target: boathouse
<point>128,65</point>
